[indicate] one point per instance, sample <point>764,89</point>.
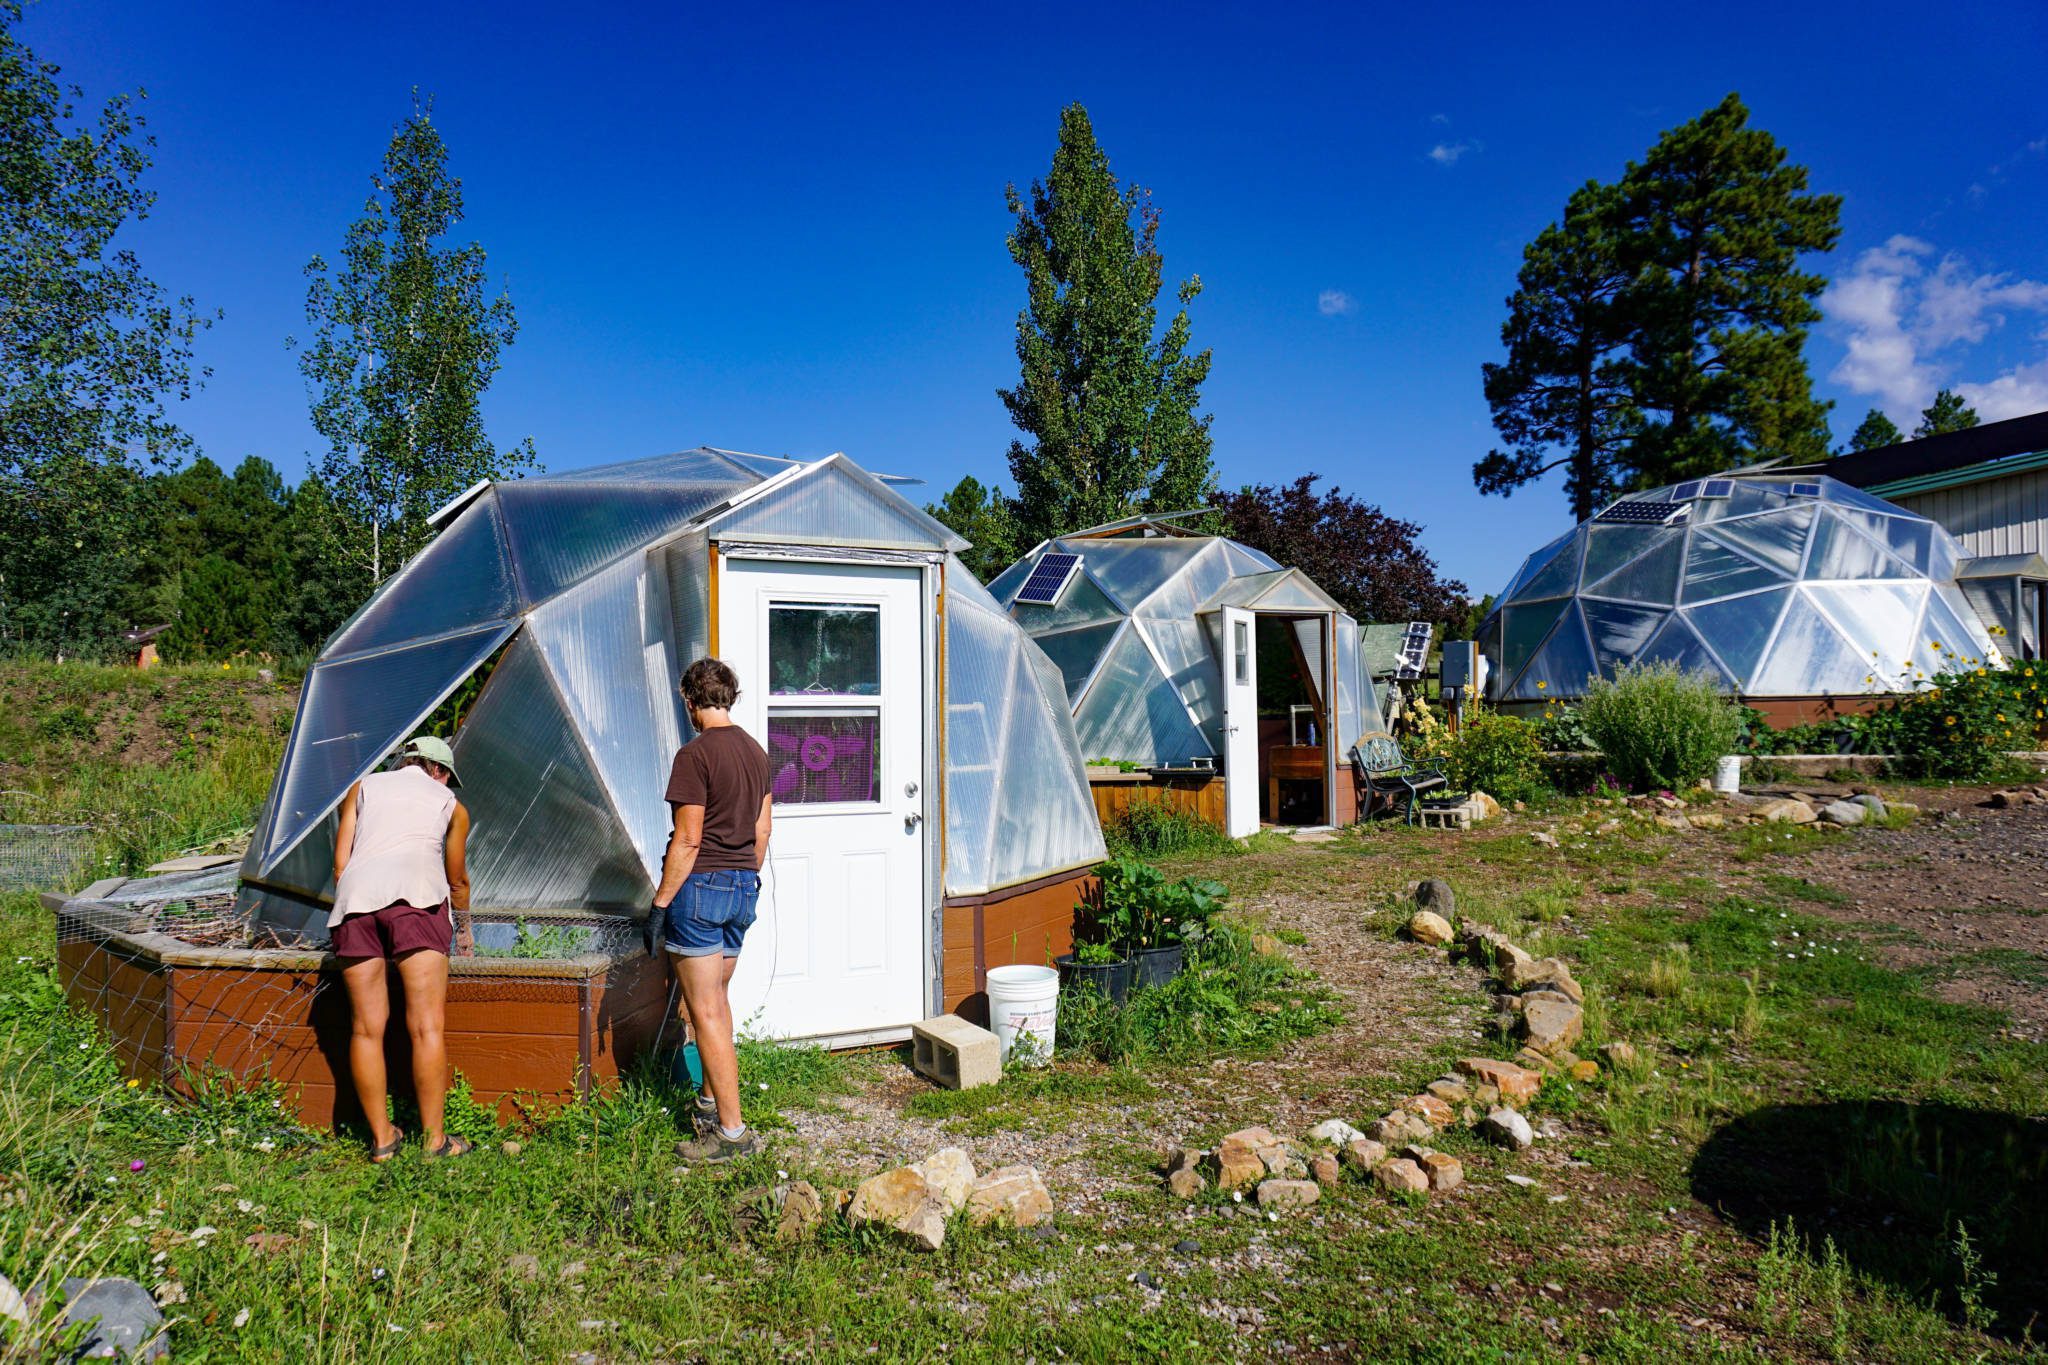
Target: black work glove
<point>653,927</point>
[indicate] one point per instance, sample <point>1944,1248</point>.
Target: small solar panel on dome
<point>1049,578</point>
<point>1717,488</point>
<point>1805,490</point>
<point>1686,492</point>
<point>1641,512</point>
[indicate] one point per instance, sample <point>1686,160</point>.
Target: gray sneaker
<point>715,1147</point>
<point>704,1115</point>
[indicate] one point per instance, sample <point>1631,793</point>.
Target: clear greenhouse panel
<point>1728,569</point>
<point>835,503</point>
<point>1132,713</point>
<point>561,533</point>
<point>461,579</point>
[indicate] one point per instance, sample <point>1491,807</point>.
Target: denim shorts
<point>712,913</point>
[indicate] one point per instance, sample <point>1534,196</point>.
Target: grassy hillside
<point>154,762</point>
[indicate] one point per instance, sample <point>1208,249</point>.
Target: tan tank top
<point>399,852</point>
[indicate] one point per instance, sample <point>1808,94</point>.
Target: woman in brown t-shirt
<point>710,885</point>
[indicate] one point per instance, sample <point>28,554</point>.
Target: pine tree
<point>1873,431</point>
<point>984,517</point>
<point>1716,220</point>
<point>1110,409</point>
<point>1948,412</point>
<point>1561,399</point>
<point>405,343</point>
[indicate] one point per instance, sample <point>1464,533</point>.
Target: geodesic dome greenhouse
<point>1776,585</point>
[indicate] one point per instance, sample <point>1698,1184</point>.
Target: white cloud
<point>1447,153</point>
<point>1440,118</point>
<point>1335,303</point>
<point>1900,321</point>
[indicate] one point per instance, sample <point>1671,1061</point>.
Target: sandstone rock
<point>1585,1071</point>
<point>1434,894</point>
<point>511,1148</point>
<point>1449,1089</point>
<point>1362,1154</point>
<point>901,1201</point>
<point>1401,1174</point>
<point>1785,811</point>
<point>1707,819</point>
<point>1484,807</point>
<point>1871,802</point>
<point>1443,1171</point>
<point>1516,1084</point>
<point>1545,974</point>
<point>1336,1132</point>
<point>1843,813</point>
<point>1186,1184</point>
<point>1553,1026</point>
<point>1507,1128</point>
<point>1288,1194</point>
<point>12,1306</point>
<point>1529,1059</point>
<point>1674,820</point>
<point>1618,1056</point>
<point>1248,1156</point>
<point>802,1211</point>
<point>1323,1170</point>
<point>1435,1111</point>
<point>1484,1095</point>
<point>1014,1195</point>
<point>1186,1159</point>
<point>1398,1127</point>
<point>1543,992</point>
<point>949,1174</point>
<point>1545,838</point>
<point>1426,926</point>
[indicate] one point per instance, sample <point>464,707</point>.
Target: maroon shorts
<point>393,932</point>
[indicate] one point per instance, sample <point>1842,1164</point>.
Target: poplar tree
<point>90,350</point>
<point>405,341</point>
<point>1108,400</point>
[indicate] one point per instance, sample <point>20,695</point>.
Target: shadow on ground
<point>1890,1183</point>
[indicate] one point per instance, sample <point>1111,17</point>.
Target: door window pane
<point>1241,647</point>
<point>824,649</point>
<point>824,756</point>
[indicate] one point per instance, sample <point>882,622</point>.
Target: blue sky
<point>782,229</point>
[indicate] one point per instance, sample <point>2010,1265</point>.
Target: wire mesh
<point>43,857</point>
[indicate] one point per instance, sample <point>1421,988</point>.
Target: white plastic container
<point>1023,1005</point>
<point>1728,774</point>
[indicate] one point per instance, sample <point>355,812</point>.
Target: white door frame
<point>1240,664</point>
<point>740,589</point>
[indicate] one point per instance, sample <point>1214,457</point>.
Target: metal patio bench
<point>1384,771</point>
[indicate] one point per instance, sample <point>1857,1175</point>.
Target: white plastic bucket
<point>1023,1005</point>
<point>1728,773</point>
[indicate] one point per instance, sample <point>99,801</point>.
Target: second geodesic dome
<point>576,599</point>
<point>1775,585</point>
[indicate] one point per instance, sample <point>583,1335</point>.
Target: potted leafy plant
<point>1154,919</point>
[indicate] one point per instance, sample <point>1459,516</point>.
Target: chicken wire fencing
<point>190,985</point>
<point>43,857</point>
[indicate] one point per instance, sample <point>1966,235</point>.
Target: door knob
<point>911,822</point>
<point>910,789</point>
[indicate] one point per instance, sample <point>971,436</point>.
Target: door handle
<point>911,822</point>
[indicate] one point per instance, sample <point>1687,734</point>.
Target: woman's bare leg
<point>369,999</point>
<point>425,974</point>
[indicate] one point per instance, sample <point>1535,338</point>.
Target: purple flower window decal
<point>820,757</point>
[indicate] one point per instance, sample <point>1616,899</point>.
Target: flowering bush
<point>1660,727</point>
<point>1962,722</point>
<point>1499,755</point>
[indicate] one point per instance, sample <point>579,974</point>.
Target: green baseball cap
<point>434,749</point>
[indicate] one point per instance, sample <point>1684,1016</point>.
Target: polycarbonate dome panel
<point>1678,644</point>
<point>353,713</point>
<point>1132,570</point>
<point>605,642</point>
<point>1081,604</point>
<point>561,533</point>
<point>687,466</point>
<point>1864,568</point>
<point>1245,560</point>
<point>462,578</point>
<point>1076,652</point>
<point>1562,666</point>
<point>836,503</point>
<point>543,834</point>
<point>1132,714</point>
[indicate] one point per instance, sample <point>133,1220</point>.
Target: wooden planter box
<point>516,1030</point>
<point>1114,792</point>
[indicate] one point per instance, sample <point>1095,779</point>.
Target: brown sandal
<point>452,1146</point>
<point>380,1155</point>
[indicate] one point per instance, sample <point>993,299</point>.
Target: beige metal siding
<point>1996,517</point>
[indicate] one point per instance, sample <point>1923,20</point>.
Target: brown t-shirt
<point>726,772</point>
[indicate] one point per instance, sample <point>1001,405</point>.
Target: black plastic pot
<point>1157,966</point>
<point>1112,979</point>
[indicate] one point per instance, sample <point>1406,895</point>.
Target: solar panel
<point>1718,488</point>
<point>1641,512</point>
<point>1414,649</point>
<point>1805,490</point>
<point>1686,492</point>
<point>1049,578</point>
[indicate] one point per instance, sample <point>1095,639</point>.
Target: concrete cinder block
<point>955,1053</point>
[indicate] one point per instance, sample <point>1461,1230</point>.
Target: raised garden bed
<point>517,1028</point>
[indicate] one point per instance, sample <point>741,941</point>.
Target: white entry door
<point>832,682</point>
<point>1240,723</point>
